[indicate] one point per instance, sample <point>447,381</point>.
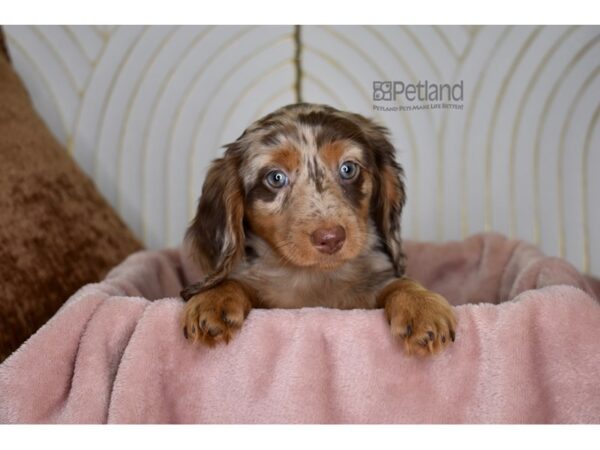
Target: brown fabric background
<point>3,47</point>
<point>56,231</point>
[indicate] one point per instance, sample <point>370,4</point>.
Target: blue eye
<point>276,179</point>
<point>348,170</point>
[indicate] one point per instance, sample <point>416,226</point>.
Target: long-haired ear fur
<point>216,235</point>
<point>388,194</point>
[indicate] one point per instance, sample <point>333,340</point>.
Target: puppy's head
<point>311,181</point>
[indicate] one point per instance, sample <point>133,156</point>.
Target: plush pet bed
<point>526,351</point>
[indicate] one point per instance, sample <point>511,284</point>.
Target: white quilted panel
<point>144,109</point>
<point>520,158</point>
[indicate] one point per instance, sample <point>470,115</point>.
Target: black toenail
<point>226,319</point>
<point>430,334</point>
<point>185,332</point>
<point>203,324</point>
<point>452,335</point>
<point>409,330</point>
<point>443,339</point>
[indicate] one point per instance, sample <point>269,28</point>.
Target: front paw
<point>422,319</point>
<point>214,315</point>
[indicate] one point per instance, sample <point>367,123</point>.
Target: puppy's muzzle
<point>328,240</point>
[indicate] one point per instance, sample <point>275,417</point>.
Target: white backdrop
<point>144,110</point>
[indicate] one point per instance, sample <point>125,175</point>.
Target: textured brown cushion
<point>56,231</point>
<point>3,47</point>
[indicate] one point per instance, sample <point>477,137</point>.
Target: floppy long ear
<point>216,235</point>
<point>389,194</point>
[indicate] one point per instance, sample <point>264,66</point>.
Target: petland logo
<point>417,96</point>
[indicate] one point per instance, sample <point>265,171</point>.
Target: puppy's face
<point>311,181</point>
<point>310,202</point>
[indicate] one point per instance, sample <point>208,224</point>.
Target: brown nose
<point>328,240</point>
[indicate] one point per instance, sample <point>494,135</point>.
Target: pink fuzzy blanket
<point>526,351</point>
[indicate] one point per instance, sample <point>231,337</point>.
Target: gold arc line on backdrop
<point>80,91</point>
<point>15,44</point>
<point>106,100</point>
<point>407,68</point>
<point>192,195</point>
<point>58,56</point>
<point>441,144</point>
<point>151,118</point>
<point>368,100</point>
<point>440,206</point>
<point>340,67</point>
<point>141,77</point>
<point>105,31</point>
<point>262,109</point>
<point>258,79</point>
<point>585,181</point>
<point>399,58</point>
<point>191,154</point>
<point>472,30</point>
<point>86,84</point>
<point>382,39</point>
<point>537,149</point>
<point>98,31</point>
<point>419,46</point>
<point>219,50</point>
<point>69,31</point>
<point>446,42</point>
<point>500,38</point>
<point>248,88</point>
<point>328,91</point>
<point>498,102</point>
<point>534,78</point>
<point>561,156</point>
<point>355,47</point>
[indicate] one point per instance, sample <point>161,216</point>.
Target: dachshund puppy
<point>304,210</point>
